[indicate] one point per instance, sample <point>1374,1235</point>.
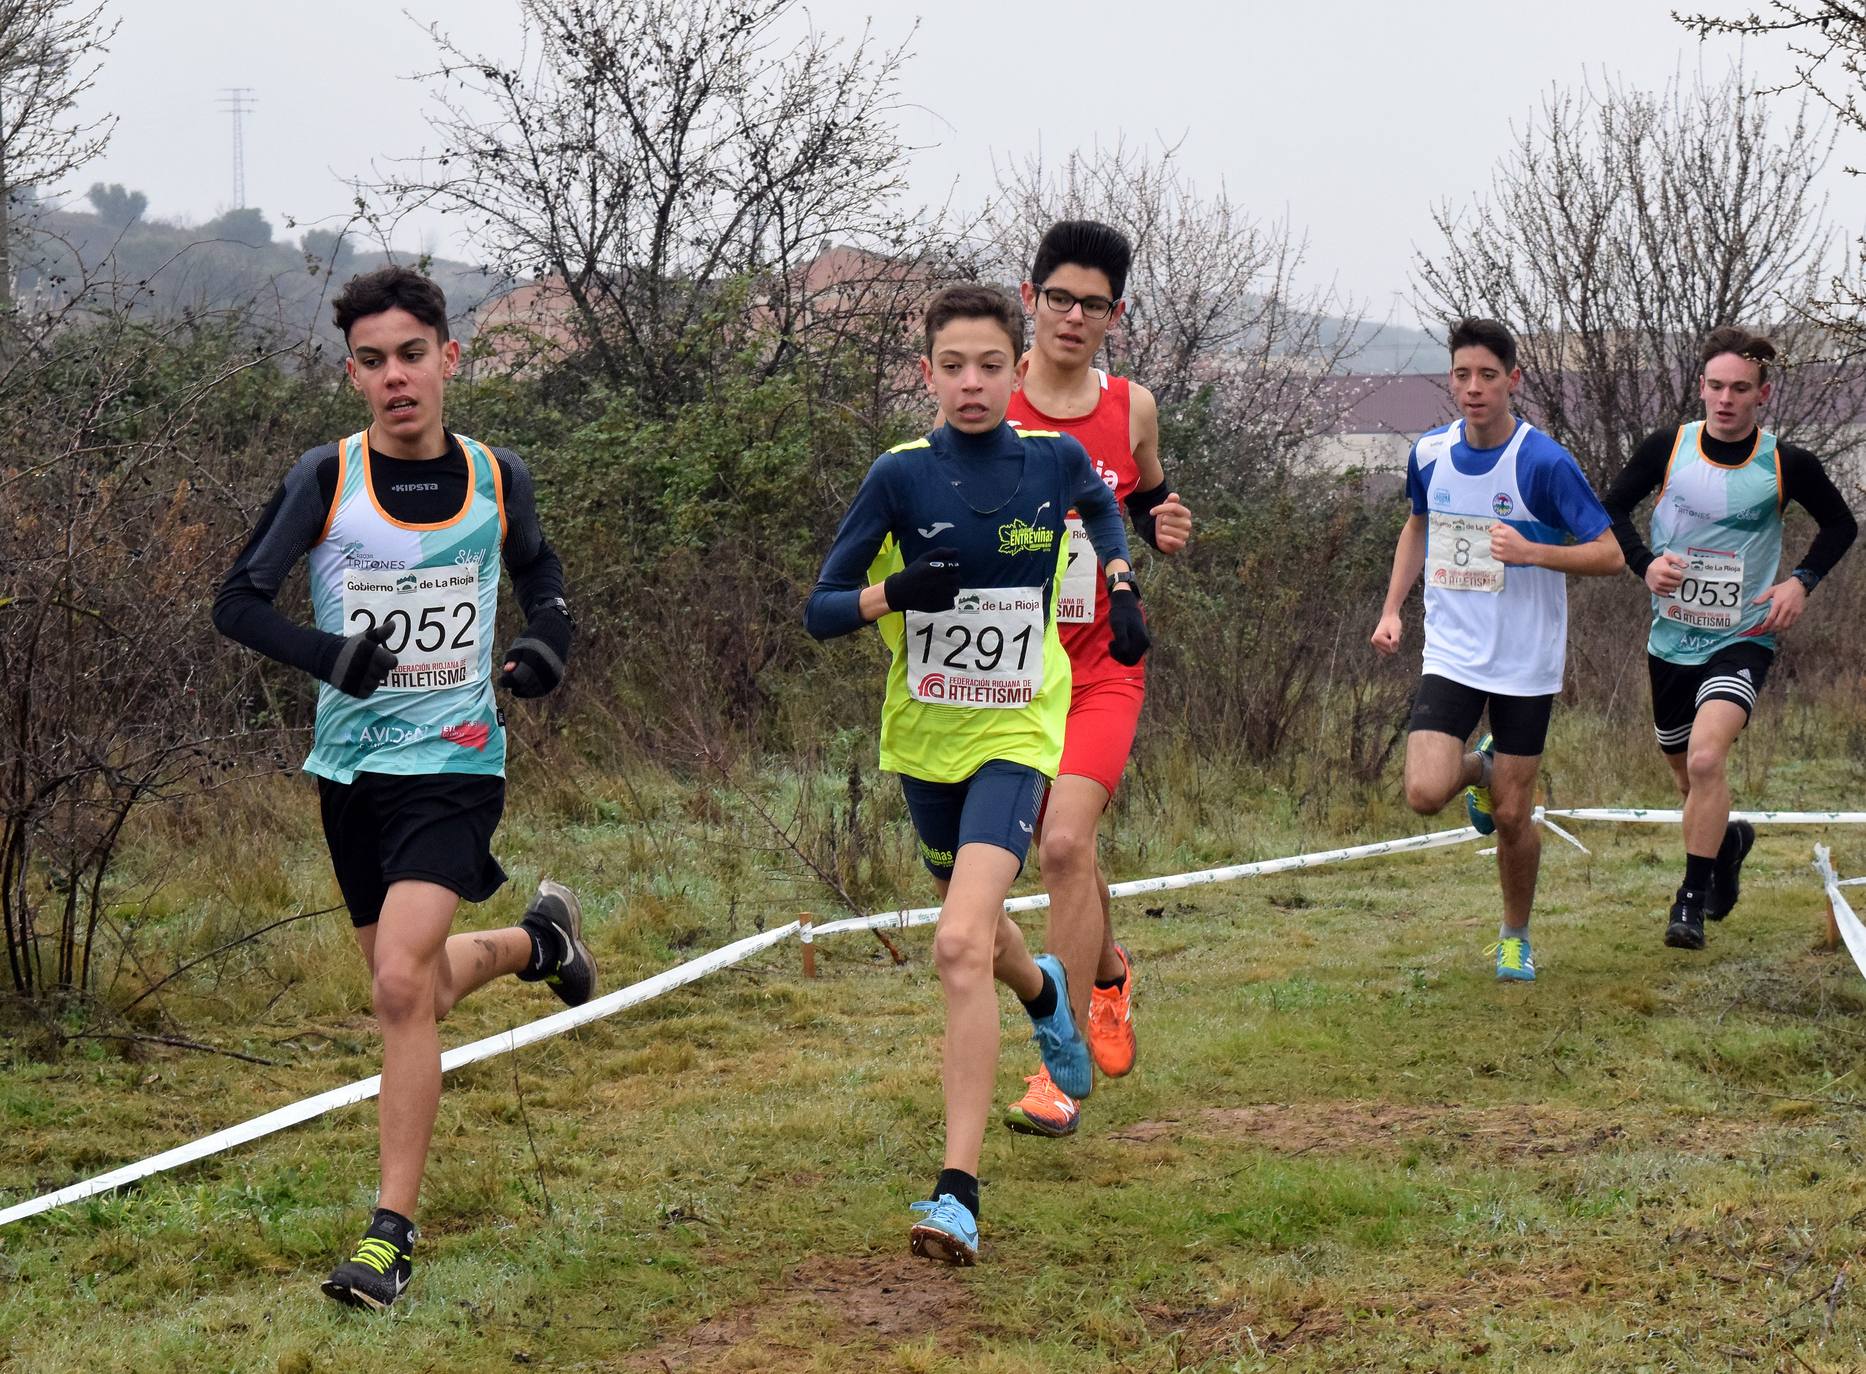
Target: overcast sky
<point>1351,117</point>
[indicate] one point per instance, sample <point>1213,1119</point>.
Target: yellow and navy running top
<point>971,685</point>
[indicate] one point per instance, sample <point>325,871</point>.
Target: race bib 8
<point>1075,599</point>
<point>1711,596</point>
<point>1457,554</point>
<point>433,620</point>
<point>986,651</point>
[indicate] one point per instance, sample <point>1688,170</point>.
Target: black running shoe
<point>556,909</point>
<point>1685,929</point>
<point>375,1275</point>
<point>1726,886</point>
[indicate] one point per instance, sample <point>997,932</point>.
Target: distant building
<point>1377,418</point>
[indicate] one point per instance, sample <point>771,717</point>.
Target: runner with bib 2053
<point>1718,605</point>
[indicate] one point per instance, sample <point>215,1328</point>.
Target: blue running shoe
<point>947,1231</point>
<point>1516,963</point>
<point>1065,1052</point>
<point>1477,799</point>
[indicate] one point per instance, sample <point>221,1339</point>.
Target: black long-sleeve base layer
<point>415,491</point>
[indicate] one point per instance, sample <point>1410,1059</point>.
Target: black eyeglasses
<point>1062,302</point>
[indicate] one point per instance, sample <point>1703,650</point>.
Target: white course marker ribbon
<point>1851,930</point>
<point>648,989</point>
<point>1654,816</point>
<point>926,915</point>
<point>364,1089</point>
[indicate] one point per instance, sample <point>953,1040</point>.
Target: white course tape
<point>1658,817</point>
<point>1851,930</point>
<point>1850,882</point>
<point>926,915</point>
<point>1850,926</point>
<point>649,988</point>
<point>362,1091</point>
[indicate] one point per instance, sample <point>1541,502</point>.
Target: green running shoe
<point>1516,962</point>
<point>1477,799</point>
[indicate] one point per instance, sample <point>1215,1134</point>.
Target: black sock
<point>1044,1003</point>
<point>1109,984</point>
<point>961,1185</point>
<point>547,948</point>
<point>1698,871</point>
<point>395,1228</point>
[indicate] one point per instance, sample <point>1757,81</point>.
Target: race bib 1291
<point>986,651</point>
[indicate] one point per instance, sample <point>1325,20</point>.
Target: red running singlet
<point>1105,433</point>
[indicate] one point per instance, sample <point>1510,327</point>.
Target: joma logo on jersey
<point>1017,537</point>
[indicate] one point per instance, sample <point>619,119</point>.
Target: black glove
<point>537,656</point>
<point>362,664</point>
<point>929,583</point>
<point>1128,627</point>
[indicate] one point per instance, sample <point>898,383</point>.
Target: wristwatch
<point>1127,579</point>
<point>1807,577</point>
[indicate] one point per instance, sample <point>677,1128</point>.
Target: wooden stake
<point>806,937</point>
<point>1833,926</point>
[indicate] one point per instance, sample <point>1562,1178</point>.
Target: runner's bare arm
<point>1169,522</point>
<point>1408,563</point>
<point>1600,556</point>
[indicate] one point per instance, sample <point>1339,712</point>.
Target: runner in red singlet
<point>1074,295</point>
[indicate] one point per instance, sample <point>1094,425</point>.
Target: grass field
<point>1345,1146</point>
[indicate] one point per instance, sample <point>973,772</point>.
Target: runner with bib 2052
<point>404,526</point>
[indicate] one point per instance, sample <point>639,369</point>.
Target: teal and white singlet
<point>437,588</point>
<point>1727,521</point>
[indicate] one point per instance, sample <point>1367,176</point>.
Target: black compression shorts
<point>1519,725</point>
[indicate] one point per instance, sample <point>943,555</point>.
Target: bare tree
<point>1827,43</point>
<point>1624,225</point>
<point>49,55</point>
<point>670,168</point>
<point>1234,350</point>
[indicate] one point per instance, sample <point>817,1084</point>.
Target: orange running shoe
<point>1044,1109</point>
<point>1111,1023</point>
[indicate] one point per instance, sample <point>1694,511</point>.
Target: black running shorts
<point>432,827</point>
<point>1734,673</point>
<point>1519,725</point>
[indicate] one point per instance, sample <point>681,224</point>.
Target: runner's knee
<point>1423,799</point>
<point>403,989</point>
<point>961,953</point>
<point>1065,850</point>
<point>1512,815</point>
<point>1704,766</point>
